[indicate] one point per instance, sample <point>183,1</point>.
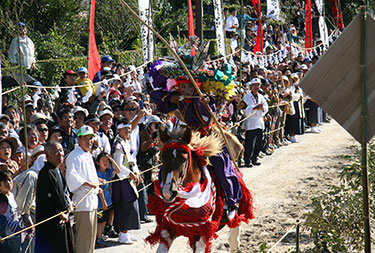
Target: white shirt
<point>255,121</point>
<point>230,22</point>
<point>233,44</point>
<point>122,156</point>
<point>27,50</point>
<point>80,168</point>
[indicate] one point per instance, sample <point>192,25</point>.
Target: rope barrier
<point>62,212</point>
<point>11,90</point>
<point>248,116</point>
<point>290,230</point>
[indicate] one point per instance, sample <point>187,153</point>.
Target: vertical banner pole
<point>364,117</point>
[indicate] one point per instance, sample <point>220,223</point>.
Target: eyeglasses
<point>43,130</point>
<point>131,109</point>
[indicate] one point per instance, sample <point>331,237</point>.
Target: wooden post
<point>199,19</point>
<point>364,117</point>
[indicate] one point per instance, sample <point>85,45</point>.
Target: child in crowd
<point>13,224</point>
<point>105,171</point>
<point>3,220</point>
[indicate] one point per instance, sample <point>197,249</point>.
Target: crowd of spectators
<point>82,137</point>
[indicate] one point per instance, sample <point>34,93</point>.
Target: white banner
<point>319,5</point>
<point>273,9</point>
<point>323,30</point>
<point>219,27</point>
<point>147,37</point>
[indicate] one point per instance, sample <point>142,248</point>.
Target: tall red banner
<point>191,32</point>
<point>94,57</point>
<point>259,42</point>
<point>337,13</point>
<point>308,27</point>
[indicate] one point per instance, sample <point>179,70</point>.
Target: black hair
<point>63,112</point>
<point>4,175</point>
<point>101,155</point>
<point>4,199</point>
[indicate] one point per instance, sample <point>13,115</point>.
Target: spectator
<point>14,224</point>
<point>254,125</point>
<point>8,146</point>
<point>125,194</point>
<point>32,139</point>
<point>80,115</point>
<point>56,235</point>
<point>27,49</point>
<point>234,42</point>
<point>106,61</point>
<point>107,168</point>
<point>81,178</point>
<point>66,123</point>
<point>82,80</point>
<point>231,23</point>
<point>106,119</point>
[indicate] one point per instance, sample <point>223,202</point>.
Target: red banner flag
<point>191,32</point>
<point>308,27</point>
<point>259,42</point>
<point>337,13</point>
<point>94,57</point>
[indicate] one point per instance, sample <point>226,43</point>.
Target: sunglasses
<point>43,130</point>
<point>131,109</point>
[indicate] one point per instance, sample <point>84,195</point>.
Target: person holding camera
<point>147,158</point>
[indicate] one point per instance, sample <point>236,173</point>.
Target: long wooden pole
<point>22,85</point>
<point>190,77</point>
<point>364,116</point>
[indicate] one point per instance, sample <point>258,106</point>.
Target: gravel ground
<point>282,187</point>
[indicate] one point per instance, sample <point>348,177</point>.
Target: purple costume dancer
<point>196,115</point>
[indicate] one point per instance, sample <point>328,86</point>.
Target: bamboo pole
<point>364,117</point>
<point>22,85</point>
<point>190,77</point>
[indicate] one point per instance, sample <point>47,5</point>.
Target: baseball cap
<point>105,112</point>
<point>85,130</point>
<point>303,67</point>
<point>255,80</point>
<point>70,72</point>
<point>4,116</point>
<point>107,58</point>
<point>80,109</point>
<point>21,24</point>
<point>37,83</point>
<point>151,119</point>
<point>82,70</point>
<point>92,118</point>
<point>38,117</point>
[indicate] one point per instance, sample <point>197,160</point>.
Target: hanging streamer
<point>308,27</point>
<point>147,36</point>
<point>1,89</point>
<point>191,32</point>
<point>94,57</point>
<point>259,42</point>
<point>219,27</point>
<point>337,13</point>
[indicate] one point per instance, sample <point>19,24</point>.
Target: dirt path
<point>282,188</point>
